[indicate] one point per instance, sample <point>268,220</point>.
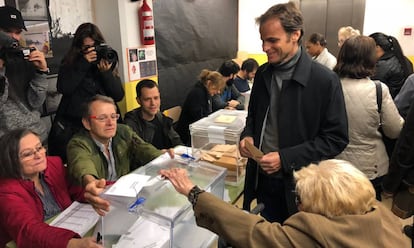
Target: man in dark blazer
<point>296,114</point>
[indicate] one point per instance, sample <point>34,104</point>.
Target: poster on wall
<point>33,10</point>
<point>142,62</point>
<point>39,36</point>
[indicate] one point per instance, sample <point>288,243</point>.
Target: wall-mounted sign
<point>142,62</point>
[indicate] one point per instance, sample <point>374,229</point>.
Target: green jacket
<point>130,152</point>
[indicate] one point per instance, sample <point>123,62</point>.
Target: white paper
<point>145,233</point>
<point>78,217</point>
<point>216,134</point>
<point>128,186</point>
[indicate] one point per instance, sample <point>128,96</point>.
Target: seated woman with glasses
<point>34,188</point>
<point>337,209</point>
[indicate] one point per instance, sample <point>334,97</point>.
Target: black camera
<point>103,51</point>
<point>26,51</point>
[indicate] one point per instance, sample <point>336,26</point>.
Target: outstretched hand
<point>179,179</point>
<point>92,194</point>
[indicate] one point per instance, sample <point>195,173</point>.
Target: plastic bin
<point>166,218</point>
<point>215,139</point>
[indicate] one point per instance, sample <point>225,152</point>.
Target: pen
<point>98,237</point>
<point>185,155</point>
<point>139,201</point>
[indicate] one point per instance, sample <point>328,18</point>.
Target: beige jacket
<point>366,149</point>
<point>378,228</point>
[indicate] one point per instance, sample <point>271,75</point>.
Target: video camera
<point>9,43</point>
<point>104,51</point>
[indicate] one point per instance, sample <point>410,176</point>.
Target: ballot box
<point>161,217</point>
<point>215,139</point>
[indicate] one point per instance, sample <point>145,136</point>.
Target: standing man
<point>246,75</point>
<point>148,122</point>
<point>23,82</point>
<point>296,114</point>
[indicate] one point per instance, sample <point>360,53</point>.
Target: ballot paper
<point>128,186</point>
<point>257,154</point>
<point>227,119</point>
<point>78,217</point>
<point>156,236</point>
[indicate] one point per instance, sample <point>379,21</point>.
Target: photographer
<point>23,81</point>
<point>89,68</point>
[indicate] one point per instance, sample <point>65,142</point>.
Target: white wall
<point>249,37</point>
<point>118,21</point>
<point>70,17</point>
<point>389,17</point>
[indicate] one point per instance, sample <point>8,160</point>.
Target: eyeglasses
<point>30,153</point>
<point>103,118</point>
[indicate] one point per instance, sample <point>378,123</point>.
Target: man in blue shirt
<point>246,75</point>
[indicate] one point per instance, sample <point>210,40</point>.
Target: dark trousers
<point>377,183</point>
<point>271,192</point>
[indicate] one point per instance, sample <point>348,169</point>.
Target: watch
<point>43,72</point>
<point>193,195</point>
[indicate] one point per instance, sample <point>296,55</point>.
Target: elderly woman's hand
<point>179,179</point>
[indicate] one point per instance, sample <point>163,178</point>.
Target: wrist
<point>43,71</point>
<point>193,195</point>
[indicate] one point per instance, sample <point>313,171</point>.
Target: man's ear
<point>86,123</point>
<point>295,35</point>
<point>138,101</point>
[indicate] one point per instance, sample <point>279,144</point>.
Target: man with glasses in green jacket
<point>104,148</point>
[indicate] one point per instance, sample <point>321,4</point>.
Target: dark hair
<point>289,16</point>
<point>390,44</point>
<point>84,30</point>
<point>249,65</point>
<point>316,38</point>
<point>229,67</point>
<point>146,83</point>
<point>9,152</point>
<point>86,107</point>
<point>356,58</point>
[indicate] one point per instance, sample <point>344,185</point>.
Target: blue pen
<point>186,156</point>
<point>139,201</point>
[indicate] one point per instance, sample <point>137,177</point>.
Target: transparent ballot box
<point>158,216</point>
<point>215,139</point>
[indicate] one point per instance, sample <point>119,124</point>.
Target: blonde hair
<point>334,188</point>
<point>348,31</point>
<point>214,77</point>
<point>345,33</point>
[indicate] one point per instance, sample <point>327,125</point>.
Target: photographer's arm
<point>111,82</point>
<point>37,90</point>
<point>4,91</point>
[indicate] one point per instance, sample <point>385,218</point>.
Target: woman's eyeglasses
<point>30,153</point>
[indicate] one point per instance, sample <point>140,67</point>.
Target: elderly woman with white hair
<point>337,209</point>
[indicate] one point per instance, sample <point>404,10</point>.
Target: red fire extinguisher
<point>146,23</point>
